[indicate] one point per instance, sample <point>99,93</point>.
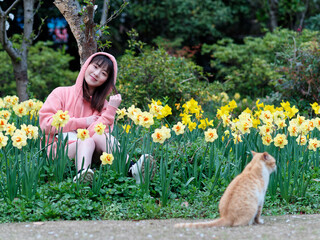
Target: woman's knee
<point>88,143</point>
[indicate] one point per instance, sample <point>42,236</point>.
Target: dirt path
<point>276,227</point>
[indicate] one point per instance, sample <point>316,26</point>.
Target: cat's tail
<point>220,222</point>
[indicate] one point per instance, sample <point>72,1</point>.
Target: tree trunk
<point>273,12</point>
<point>81,25</point>
<point>19,56</point>
<point>21,76</point>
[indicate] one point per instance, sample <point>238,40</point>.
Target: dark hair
<point>100,93</point>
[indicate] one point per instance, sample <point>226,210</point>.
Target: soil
<point>275,227</point>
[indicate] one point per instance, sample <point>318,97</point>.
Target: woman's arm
<point>50,107</point>
<point>108,114</point>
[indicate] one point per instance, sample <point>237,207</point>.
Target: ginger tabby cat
<point>242,202</point>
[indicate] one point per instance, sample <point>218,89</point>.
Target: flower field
<point>192,151</point>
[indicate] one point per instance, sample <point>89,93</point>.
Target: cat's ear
<point>253,153</point>
<point>265,156</point>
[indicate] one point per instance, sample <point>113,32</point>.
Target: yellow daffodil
<point>236,96</point>
<point>281,124</point>
<point>20,110</point>
<point>161,134</point>
<point>313,144</point>
<point>267,139</point>
<point>258,104</point>
<point>132,111</point>
<point>186,118</point>
<point>232,105</point>
<point>211,135</point>
<point>266,116</point>
<point>99,128</point>
<point>316,108</point>
<point>5,114</point>
<point>280,140</point>
<point>106,158</point>
<point>224,110</point>
<point>19,139</point>
<point>290,112</point>
<point>165,111</point>
<point>10,101</point>
<point>293,129</point>
<point>266,129</point>
<point>10,128</point>
<point>301,140</point>
<point>305,127</point>
<point>155,108</point>
<point>30,131</point>
<point>60,119</point>
<point>146,119</point>
<point>126,128</point>
<point>317,123</point>
<point>3,124</point>
<point>82,134</point>
<point>121,113</point>
<point>178,128</point>
<point>3,140</point>
<point>226,120</point>
<point>192,126</point>
<point>204,123</point>
<point>236,138</point>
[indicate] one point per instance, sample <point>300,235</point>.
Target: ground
<point>275,227</point>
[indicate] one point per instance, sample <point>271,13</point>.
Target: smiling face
<point>95,75</point>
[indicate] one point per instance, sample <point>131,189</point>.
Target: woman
<point>87,106</point>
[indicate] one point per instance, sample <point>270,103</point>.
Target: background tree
<point>19,56</point>
<point>80,18</point>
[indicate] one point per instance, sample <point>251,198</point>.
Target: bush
<point>300,63</point>
<point>48,68</point>
<point>249,67</point>
<point>153,74</point>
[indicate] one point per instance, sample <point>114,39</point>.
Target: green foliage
<point>153,74</point>
<point>299,63</point>
<point>313,23</point>
<point>289,13</point>
<point>187,19</point>
<point>248,68</point>
<point>48,68</point>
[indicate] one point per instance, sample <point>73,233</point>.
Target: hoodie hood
<point>84,67</point>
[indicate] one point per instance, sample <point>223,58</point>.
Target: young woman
<point>87,106</point>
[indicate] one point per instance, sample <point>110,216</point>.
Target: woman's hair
<point>100,93</point>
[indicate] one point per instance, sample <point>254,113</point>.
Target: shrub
<point>299,65</point>
<point>153,74</point>
<point>48,68</point>
<point>249,67</point>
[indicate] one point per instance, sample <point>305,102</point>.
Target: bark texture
<point>19,56</point>
<point>81,24</point>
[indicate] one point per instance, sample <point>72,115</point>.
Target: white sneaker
<point>86,175</point>
<point>138,168</point>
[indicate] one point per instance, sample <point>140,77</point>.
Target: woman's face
<point>95,76</point>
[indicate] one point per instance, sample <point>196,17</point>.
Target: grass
<point>122,199</point>
<point>192,174</point>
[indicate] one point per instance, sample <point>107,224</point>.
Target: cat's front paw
<point>260,221</point>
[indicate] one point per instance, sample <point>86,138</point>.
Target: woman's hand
<point>91,120</point>
<point>115,100</point>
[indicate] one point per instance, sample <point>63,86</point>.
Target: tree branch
<point>117,13</point>
<point>105,10</point>
<point>304,14</point>
<point>12,6</point>
<point>6,43</point>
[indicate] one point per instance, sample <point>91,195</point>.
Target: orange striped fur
<point>242,202</point>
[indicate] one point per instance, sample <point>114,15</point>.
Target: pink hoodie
<point>71,99</point>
